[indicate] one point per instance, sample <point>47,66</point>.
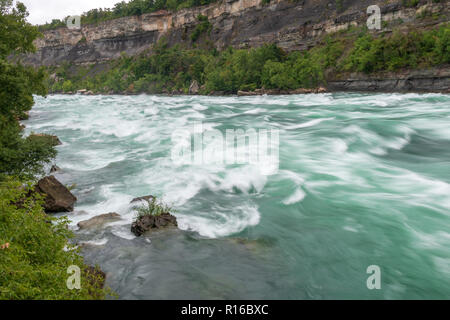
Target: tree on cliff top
<point>18,83</point>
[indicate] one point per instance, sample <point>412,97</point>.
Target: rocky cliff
<point>292,25</point>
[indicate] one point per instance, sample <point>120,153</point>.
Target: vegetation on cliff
<point>172,69</point>
<point>34,249</point>
<point>130,8</point>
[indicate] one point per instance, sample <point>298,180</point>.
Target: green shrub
<point>204,26</point>
<point>425,48</point>
<point>35,263</point>
<point>152,207</point>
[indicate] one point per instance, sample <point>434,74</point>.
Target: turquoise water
<point>363,180</point>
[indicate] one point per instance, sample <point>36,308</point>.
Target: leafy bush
<point>34,249</point>
<point>426,48</point>
<point>204,26</point>
<point>35,253</point>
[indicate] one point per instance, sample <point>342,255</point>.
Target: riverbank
<point>430,80</point>
<point>355,60</point>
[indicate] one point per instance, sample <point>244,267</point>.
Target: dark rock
<point>144,198</point>
<point>320,90</point>
<point>418,81</point>
<point>247,93</point>
<point>54,169</point>
<point>391,7</point>
<point>217,93</point>
<point>194,88</point>
<point>98,221</point>
<point>348,17</point>
<point>148,223</point>
<point>95,276</point>
<point>57,197</point>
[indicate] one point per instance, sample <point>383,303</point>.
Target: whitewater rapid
<point>362,179</point>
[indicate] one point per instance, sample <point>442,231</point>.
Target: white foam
<point>225,223</point>
<point>307,124</point>
<point>99,242</point>
<point>298,196</point>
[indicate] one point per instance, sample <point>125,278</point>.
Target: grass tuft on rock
<point>152,208</point>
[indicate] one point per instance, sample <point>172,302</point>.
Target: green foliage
<point>35,263</point>
<point>153,207</point>
<point>411,3</point>
<point>23,158</point>
<point>34,249</point>
<point>204,26</point>
<point>414,49</point>
<point>18,156</point>
<point>15,33</point>
<point>236,70</point>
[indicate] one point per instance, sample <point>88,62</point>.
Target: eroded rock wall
<point>292,25</point>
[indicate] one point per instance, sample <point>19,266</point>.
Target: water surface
<point>363,180</point>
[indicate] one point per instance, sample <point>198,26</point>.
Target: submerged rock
<point>148,223</point>
<point>57,197</point>
<point>98,221</point>
<point>144,198</point>
<point>55,168</point>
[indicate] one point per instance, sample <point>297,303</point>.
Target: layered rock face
<point>292,25</point>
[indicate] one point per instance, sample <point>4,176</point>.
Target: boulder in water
<point>149,222</point>
<point>55,168</point>
<point>99,221</point>
<point>144,198</point>
<point>57,197</point>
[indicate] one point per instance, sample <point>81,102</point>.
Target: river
<point>362,180</point>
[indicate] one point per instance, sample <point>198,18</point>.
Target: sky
<point>42,11</point>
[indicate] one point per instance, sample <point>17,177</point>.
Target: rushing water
<point>363,180</point>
